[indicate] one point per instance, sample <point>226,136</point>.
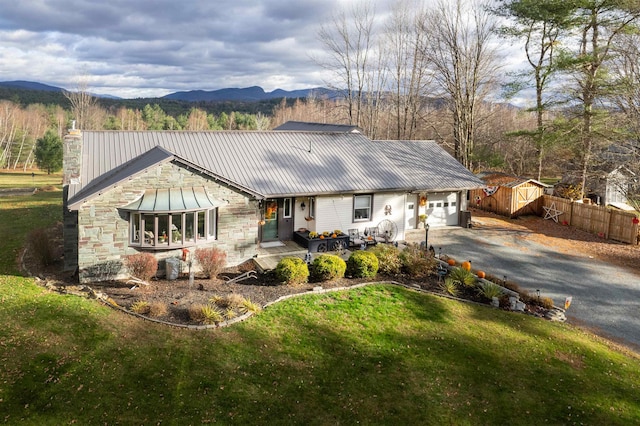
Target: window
<point>362,207</point>
<point>287,208</point>
<point>173,230</point>
<point>312,207</point>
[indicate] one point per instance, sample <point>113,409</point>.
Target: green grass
<point>20,179</point>
<point>21,214</point>
<point>377,355</point>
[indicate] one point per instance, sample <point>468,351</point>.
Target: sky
<point>149,48</point>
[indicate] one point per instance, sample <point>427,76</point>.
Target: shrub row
<point>385,259</point>
<point>145,265</point>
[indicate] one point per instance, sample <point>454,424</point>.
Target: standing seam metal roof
<point>283,163</point>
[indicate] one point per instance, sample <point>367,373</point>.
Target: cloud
<point>150,48</point>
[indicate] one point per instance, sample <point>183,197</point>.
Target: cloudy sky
<point>140,48</point>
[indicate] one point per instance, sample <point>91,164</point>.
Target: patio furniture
<point>354,238</point>
<point>377,237</point>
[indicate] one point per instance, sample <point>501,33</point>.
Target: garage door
<point>443,209</point>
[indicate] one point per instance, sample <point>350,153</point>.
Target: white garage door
<point>443,209</point>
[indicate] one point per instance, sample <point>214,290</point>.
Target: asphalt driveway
<point>606,298</point>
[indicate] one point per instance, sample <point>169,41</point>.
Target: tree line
<point>438,71</point>
<point>581,74</point>
<point>21,127</point>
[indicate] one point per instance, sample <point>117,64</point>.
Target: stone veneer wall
<point>104,230</point>
<point>72,157</point>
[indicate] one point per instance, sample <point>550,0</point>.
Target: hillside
<point>227,100</point>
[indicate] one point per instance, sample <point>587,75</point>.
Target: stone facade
<point>72,161</point>
<point>103,229</point>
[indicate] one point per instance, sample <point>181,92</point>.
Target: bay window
<point>172,218</point>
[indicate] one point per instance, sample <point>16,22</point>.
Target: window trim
<point>369,209</point>
<point>312,207</point>
<point>179,218</point>
<point>287,211</point>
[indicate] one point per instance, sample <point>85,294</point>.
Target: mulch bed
<point>178,296</point>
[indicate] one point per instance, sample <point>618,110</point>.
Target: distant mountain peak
<point>253,93</point>
<point>244,94</point>
<point>30,85</point>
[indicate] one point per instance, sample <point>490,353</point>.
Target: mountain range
<point>247,94</point>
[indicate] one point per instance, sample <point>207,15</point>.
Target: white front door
<point>410,215</point>
<point>443,209</point>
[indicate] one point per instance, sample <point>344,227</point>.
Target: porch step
<point>268,262</point>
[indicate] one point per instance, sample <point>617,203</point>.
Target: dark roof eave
<point>219,178</point>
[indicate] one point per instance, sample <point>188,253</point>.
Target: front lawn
<point>375,355</point>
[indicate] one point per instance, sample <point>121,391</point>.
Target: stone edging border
<point>557,314</point>
<point>317,290</point>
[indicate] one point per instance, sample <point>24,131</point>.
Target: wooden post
<point>571,212</point>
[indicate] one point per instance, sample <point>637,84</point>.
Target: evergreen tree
<point>49,152</point>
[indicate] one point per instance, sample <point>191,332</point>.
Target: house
<point>164,191</point>
<point>304,126</point>
<point>508,195</point>
<point>612,187</point>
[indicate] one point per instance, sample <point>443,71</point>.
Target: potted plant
<point>422,220</point>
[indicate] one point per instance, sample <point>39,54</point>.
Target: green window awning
<point>174,200</point>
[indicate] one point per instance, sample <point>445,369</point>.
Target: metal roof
<point>173,199</point>
<point>303,126</point>
<point>272,164</point>
<point>428,166</point>
<point>506,180</point>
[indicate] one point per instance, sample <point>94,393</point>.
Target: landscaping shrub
<point>140,307</point>
<point>292,270</point>
<point>327,267</point>
<point>212,260</point>
<point>230,314</point>
<point>417,263</point>
<point>462,276</point>
<point>546,302</point>
<point>42,247</point>
<point>249,306</point>
<point>232,300</point>
<point>205,314</point>
<point>141,265</point>
<point>362,264</point>
<point>389,262</point>
<point>449,286</point>
<point>490,290</point>
<point>157,309</point>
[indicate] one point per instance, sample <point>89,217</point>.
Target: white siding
<point>336,212</point>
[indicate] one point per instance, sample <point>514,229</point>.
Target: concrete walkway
<point>606,298</point>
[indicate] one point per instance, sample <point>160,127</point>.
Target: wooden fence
<point>608,223</point>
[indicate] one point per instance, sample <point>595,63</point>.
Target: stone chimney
<point>71,164</point>
<point>72,156</point>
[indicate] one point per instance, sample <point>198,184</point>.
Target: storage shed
<point>508,195</point>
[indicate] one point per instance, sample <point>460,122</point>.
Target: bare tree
<point>197,120</point>
<point>83,105</point>
<point>458,47</point>
<point>408,79</point>
<point>349,41</point>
